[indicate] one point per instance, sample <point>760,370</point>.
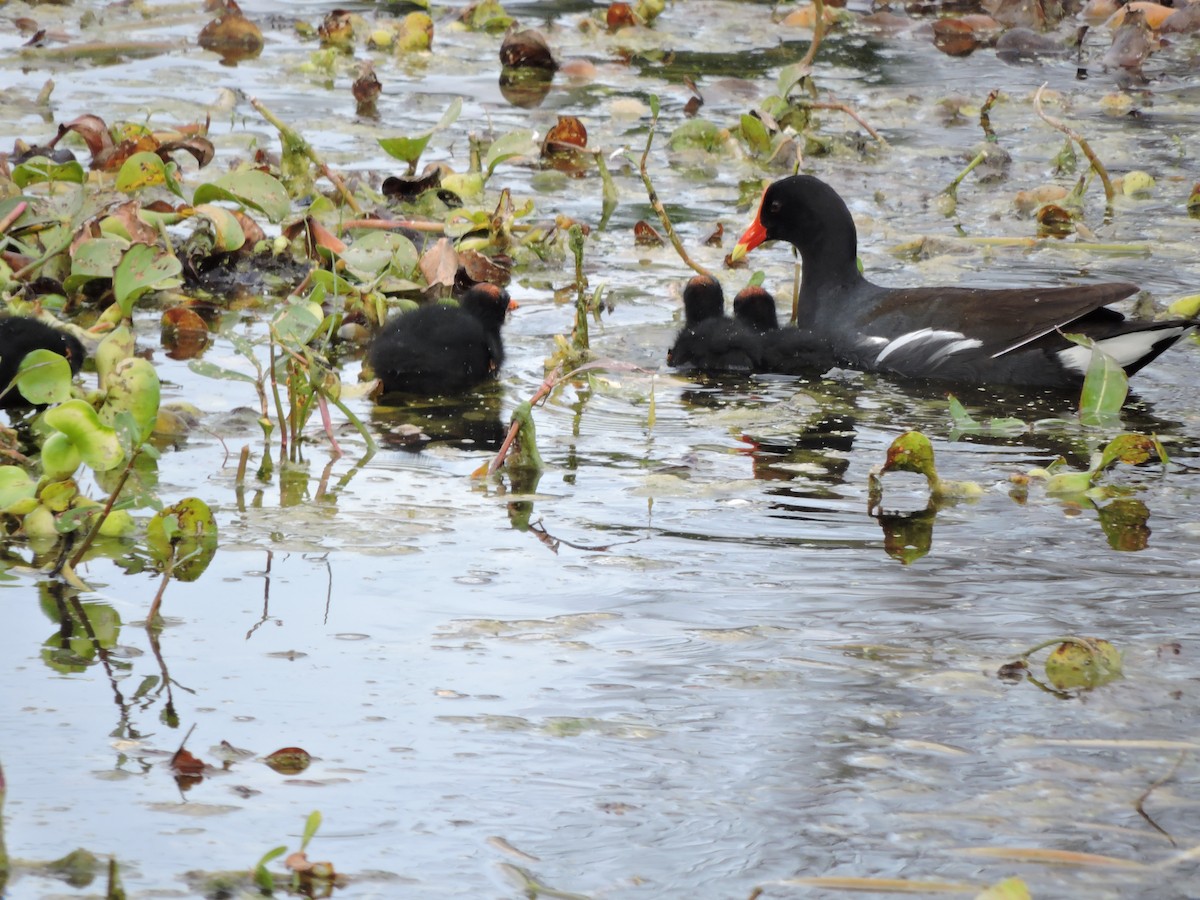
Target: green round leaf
<point>184,535</point>
<point>133,388</point>
<point>250,187</point>
<point>44,377</point>
<point>141,269</point>
<point>97,444</point>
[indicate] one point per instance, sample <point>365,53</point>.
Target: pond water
<point>686,661</point>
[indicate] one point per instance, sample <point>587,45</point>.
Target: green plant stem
<point>112,498</point>
<point>358,424</point>
<point>952,188</point>
<point>283,425</point>
<point>660,210</point>
<point>289,134</point>
<point>1097,166</point>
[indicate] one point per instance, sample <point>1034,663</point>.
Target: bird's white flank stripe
<point>954,343</point>
<point>1126,349</point>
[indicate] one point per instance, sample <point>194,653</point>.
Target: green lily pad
<point>184,535</point>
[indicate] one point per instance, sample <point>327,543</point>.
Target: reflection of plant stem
<point>290,136</point>
<point>112,498</point>
<point>657,204</point>
<point>358,424</point>
<point>162,587</point>
<point>985,121</point>
<point>1083,145</point>
<point>1139,806</point>
<point>266,612</point>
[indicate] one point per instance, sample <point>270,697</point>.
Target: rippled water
<point>681,663</point>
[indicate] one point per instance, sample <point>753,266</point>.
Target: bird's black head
<point>702,299</point>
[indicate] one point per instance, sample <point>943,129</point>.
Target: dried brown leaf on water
<point>568,134</point>
<point>183,333</point>
<point>1132,43</point>
<point>127,214</point>
<point>526,50</point>
<point>200,147</point>
<point>439,265</point>
<point>366,87</point>
<point>717,237</point>
<point>94,132</point>
<point>644,235</point>
<point>1155,14</point>
<point>479,268</point>
<point>1027,201</point>
<point>620,15</point>
<point>185,763</point>
<point>337,30</point>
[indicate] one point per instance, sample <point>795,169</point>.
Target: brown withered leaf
<point>715,239</point>
<point>231,34</point>
<point>954,37</point>
<point>526,50</point>
<point>644,235</point>
<point>289,760</point>
<point>568,134</point>
<point>620,15</point>
<point>93,131</point>
<point>185,763</point>
<point>183,333</point>
<point>139,231</point>
<point>201,148</point>
<point>337,29</point>
<point>251,229</point>
<point>316,236</point>
<point>476,268</point>
<point>439,265</point>
<point>113,157</point>
<point>366,87</point>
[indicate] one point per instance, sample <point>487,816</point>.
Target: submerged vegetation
<point>267,266</point>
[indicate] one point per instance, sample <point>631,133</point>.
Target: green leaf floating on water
<point>257,190</point>
<point>96,443</point>
<point>44,377</point>
<point>15,486</point>
<point>97,258</point>
<point>141,270</point>
<point>184,536</point>
<point>146,169</point>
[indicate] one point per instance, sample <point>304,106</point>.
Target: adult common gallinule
<point>998,335</point>
<point>443,349</point>
<point>20,336</point>
<point>710,341</point>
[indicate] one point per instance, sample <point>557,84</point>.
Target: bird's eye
<point>774,208</point>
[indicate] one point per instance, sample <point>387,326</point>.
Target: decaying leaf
<point>645,235</point>
<point>526,50</point>
<point>439,265</point>
<point>289,760</point>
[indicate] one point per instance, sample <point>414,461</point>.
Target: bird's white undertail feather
<point>1126,349</point>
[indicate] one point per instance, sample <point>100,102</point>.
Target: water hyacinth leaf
<point>44,377</point>
<point>97,444</point>
<point>39,169</point>
<point>184,536</point>
<point>514,143</point>
<point>1067,483</point>
<point>117,345</point>
<point>1186,307</point>
<point>145,169</point>
<point>142,270</point>
<point>697,134</point>
<point>378,251</point>
<point>95,258</point>
<point>755,134</point>
<point>1083,664</point>
<point>15,486</point>
<point>211,370</point>
<point>790,75</point>
<point>1132,449</point>
<point>297,323</point>
<point>226,228</point>
<point>60,457</point>
<point>258,190</point>
<point>133,388</point>
<point>409,149</point>
<point>911,452</point>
